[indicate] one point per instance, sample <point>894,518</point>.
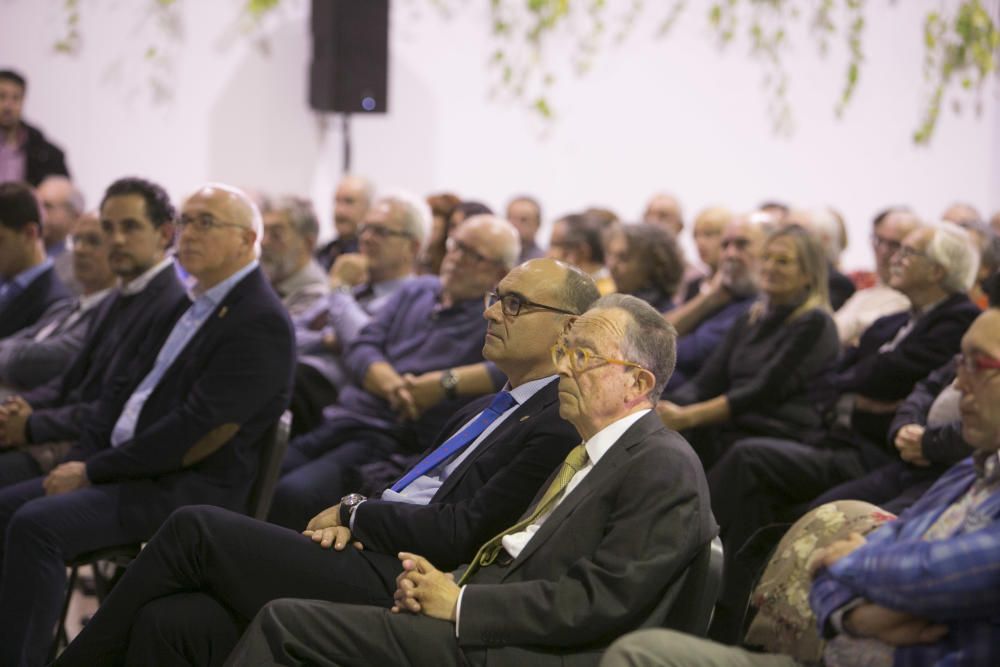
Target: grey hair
<point>952,248</point>
<point>510,252</point>
<point>649,341</point>
<point>824,223</point>
<point>413,212</point>
<point>300,213</point>
<point>75,200</point>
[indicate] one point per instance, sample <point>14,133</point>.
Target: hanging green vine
<point>962,43</point>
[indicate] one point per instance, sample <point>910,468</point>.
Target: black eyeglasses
<point>381,231</point>
<point>511,304</point>
<point>909,252</point>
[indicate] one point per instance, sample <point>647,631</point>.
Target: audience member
<point>138,221</point>
<point>442,206</point>
<point>429,324</point>
<point>177,434</point>
<point>825,225</point>
<point>525,213</point>
<point>921,589</point>
<point>995,222</point>
<point>464,211</point>
<point>664,210</point>
<point>605,544</point>
<point>708,227</point>
<point>350,203</point>
<point>761,378</point>
<point>703,321</point>
<point>62,204</point>
<point>760,481</point>
<point>579,242</point>
<point>989,264</point>
<point>42,351</point>
<point>479,477</point>
<point>29,285</point>
<point>286,254</point>
<point>25,153</point>
<point>390,239</point>
<point>776,210</point>
<point>889,228</point>
<point>645,262</point>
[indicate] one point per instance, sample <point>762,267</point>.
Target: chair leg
<point>60,640</point>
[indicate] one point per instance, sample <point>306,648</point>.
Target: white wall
<point>654,114</point>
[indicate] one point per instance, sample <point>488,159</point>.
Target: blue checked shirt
<point>940,561</point>
<point>187,326</point>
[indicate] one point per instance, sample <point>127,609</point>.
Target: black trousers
<point>893,487</point>
<point>312,632</point>
<point>763,481</point>
<point>202,578</point>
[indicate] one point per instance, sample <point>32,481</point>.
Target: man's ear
<point>167,231</point>
<point>568,324</point>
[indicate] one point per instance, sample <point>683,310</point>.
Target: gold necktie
<point>488,553</point>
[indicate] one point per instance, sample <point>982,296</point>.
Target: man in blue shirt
<point>181,429</point>
<point>429,324</point>
<point>480,474</point>
<point>28,282</point>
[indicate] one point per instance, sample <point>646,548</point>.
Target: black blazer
<point>26,307</point>
<point>194,439</point>
<point>122,328</point>
<point>485,494</point>
<point>890,376</point>
<point>609,552</point>
<point>42,158</point>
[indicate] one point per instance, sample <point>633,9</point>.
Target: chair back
<point>691,609</point>
<point>272,445</point>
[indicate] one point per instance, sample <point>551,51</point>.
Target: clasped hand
<point>14,413</point>
<point>423,589</point>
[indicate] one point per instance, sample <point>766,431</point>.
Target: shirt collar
<point>987,465</point>
<point>526,390</point>
<point>213,295</point>
<point>602,441</point>
<point>26,277</point>
<point>917,313</point>
<point>139,284</point>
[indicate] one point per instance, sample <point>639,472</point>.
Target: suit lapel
<point>532,407</point>
<point>596,479</point>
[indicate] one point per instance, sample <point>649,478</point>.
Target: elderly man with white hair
<point>180,430</point>
<point>761,481</point>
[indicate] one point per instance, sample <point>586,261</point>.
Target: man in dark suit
<point>607,540</point>
<point>28,283</point>
<point>186,589</point>
<point>180,431</point>
<point>38,427</point>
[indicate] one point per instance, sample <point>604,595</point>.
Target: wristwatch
<point>348,505</point>
<point>449,382</point>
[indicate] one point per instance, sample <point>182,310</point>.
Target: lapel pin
<point>525,418</point>
<point>223,311</point>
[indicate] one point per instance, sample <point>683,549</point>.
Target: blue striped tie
<point>500,404</point>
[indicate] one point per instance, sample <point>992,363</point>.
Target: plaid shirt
<point>953,579</point>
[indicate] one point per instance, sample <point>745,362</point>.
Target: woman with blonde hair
<point>761,378</point>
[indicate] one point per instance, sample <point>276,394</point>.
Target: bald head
<point>665,210</point>
<point>351,201</point>
<point>220,229</point>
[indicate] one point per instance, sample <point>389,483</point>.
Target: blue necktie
<point>500,404</point>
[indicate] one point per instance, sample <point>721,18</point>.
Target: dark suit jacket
<point>890,376</point>
<point>42,158</point>
<point>123,327</point>
<point>485,494</point>
<point>25,309</point>
<point>609,552</point>
<point>195,436</point>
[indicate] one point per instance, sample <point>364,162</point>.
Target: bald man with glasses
<point>478,476</point>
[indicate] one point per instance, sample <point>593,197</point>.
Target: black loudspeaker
<point>350,63</point>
